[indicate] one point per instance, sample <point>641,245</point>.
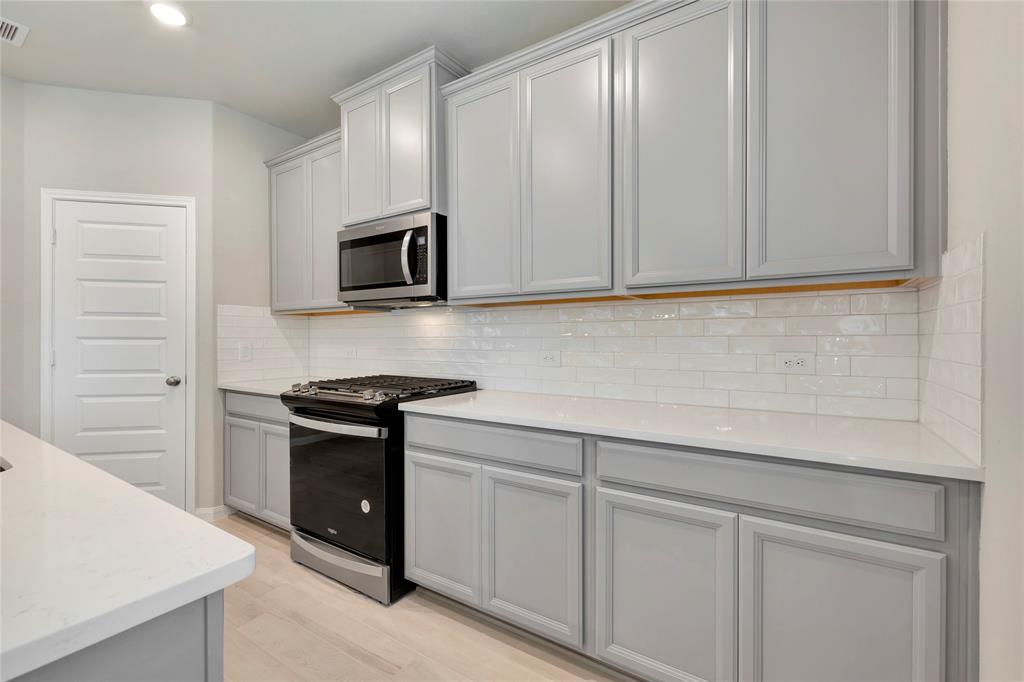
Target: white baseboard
<point>214,513</point>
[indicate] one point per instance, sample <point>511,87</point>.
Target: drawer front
<point>261,407</point>
<point>529,448</point>
<point>894,505</point>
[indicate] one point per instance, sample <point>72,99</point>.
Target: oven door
<point>388,260</point>
<point>337,483</point>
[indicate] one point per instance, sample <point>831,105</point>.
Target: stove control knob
<point>296,387</point>
<point>365,506</point>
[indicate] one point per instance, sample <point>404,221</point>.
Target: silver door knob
<point>173,381</point>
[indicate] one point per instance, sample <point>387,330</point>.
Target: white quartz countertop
<point>274,387</point>
<point>869,443</point>
<point>86,555</point>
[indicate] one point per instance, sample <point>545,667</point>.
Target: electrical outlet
<point>794,363</point>
<point>245,351</point>
<point>550,358</point>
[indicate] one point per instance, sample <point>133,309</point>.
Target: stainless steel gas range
<point>346,441</point>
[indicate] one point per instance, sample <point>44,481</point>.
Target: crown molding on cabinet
<point>305,147</point>
<point>431,54</point>
<point>601,27</point>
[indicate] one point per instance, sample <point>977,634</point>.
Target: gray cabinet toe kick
<point>676,563</point>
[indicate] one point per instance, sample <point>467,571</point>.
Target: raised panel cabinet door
<point>275,501</point>
<point>405,140</point>
<point>442,525</point>
<point>242,464</point>
<point>289,235</point>
<point>483,190</point>
<point>816,605</point>
<point>829,137</point>
<point>566,171</point>
<point>325,221</point>
<point>665,587</point>
<point>360,158</point>
<point>532,552</point>
<point>682,137</point>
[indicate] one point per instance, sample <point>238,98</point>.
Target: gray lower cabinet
<point>666,587</point>
<point>241,463</point>
<point>442,525</point>
<point>817,605</point>
<point>533,552</point>
<point>275,504</point>
<point>256,458</point>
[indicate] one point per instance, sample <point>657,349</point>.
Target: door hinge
<point>53,236</point>
<point>53,358</point>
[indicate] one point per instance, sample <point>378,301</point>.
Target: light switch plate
<point>245,351</point>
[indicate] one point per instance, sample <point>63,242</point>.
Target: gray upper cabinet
<point>360,142</point>
<point>275,504</point>
<point>566,171</point>
<point>304,223</point>
<point>393,156</point>
<point>682,137</point>
<point>533,552</point>
<point>483,186</point>
<point>829,137</point>
<point>289,235</point>
<point>817,605</point>
<point>666,587</point>
<point>442,525</point>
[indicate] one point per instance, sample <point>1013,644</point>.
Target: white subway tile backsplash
<point>722,351</point>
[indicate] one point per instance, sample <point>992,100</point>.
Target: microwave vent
<point>13,33</point>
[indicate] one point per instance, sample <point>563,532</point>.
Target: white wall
<point>92,140</point>
<point>986,195</point>
<point>12,216</point>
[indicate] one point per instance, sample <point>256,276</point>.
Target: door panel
<point>666,587</point>
<point>118,332</point>
<point>242,464</point>
<point>442,525</point>
<point>360,154</point>
<point>406,142</point>
<point>290,245</point>
<point>829,139</point>
<point>683,146</point>
<point>532,552</point>
<point>483,185</point>
<point>823,606</point>
<point>566,171</point>
<point>275,496</point>
<point>325,219</point>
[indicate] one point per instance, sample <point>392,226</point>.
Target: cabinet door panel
<point>290,245</point>
<point>242,464</point>
<point>683,146</point>
<point>325,219</point>
<point>360,154</point>
<point>532,541</point>
<point>483,185</point>
<point>829,136</point>
<point>566,171</point>
<point>275,504</point>
<point>406,142</point>
<point>442,525</point>
<point>823,606</point>
<point>666,584</point>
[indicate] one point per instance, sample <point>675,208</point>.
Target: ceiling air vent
<point>12,32</point>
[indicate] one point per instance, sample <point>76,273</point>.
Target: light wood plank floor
<point>286,622</point>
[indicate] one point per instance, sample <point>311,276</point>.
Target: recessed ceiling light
<point>169,13</point>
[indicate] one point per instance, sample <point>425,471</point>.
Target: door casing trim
<point>48,199</point>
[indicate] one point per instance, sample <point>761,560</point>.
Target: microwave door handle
<point>406,241</point>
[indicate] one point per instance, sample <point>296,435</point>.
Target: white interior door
<point>119,341</point>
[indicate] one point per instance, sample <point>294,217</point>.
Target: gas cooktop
<point>378,389</point>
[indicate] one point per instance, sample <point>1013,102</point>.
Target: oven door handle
<point>406,272</point>
<point>343,429</point>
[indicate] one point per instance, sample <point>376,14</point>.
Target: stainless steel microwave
<point>398,262</point>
